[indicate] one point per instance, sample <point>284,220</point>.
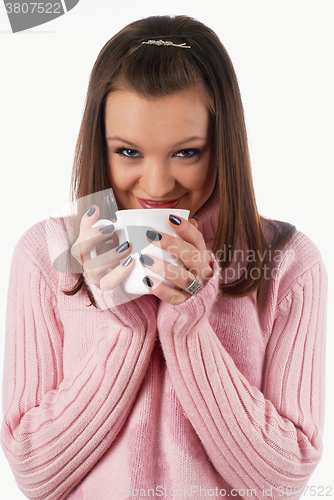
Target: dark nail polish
<point>107,229</point>
<point>127,261</point>
<point>175,220</point>
<point>153,235</point>
<point>91,211</point>
<point>194,217</point>
<point>122,247</point>
<point>148,281</point>
<point>145,259</point>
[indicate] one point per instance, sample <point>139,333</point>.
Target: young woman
<point>212,387</point>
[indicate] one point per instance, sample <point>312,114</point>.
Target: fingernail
<point>127,261</point>
<point>153,235</point>
<point>91,211</point>
<point>145,259</point>
<point>122,247</point>
<point>107,229</point>
<point>175,220</point>
<point>148,281</point>
<point>194,217</point>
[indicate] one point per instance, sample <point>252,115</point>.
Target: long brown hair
<point>158,71</point>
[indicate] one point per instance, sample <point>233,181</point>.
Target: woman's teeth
<point>155,202</point>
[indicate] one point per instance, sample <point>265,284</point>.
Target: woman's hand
<point>191,250</point>
<point>112,264</point>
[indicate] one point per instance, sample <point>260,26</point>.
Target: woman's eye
<point>128,153</point>
<point>187,153</point>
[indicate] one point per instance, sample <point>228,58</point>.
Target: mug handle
<point>104,222</point>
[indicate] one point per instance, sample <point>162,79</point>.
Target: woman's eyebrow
<point>117,138</point>
<point>189,139</point>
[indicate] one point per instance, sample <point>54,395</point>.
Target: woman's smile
<point>159,203</point>
<point>160,151</point>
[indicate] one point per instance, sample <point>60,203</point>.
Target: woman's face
<point>160,151</point>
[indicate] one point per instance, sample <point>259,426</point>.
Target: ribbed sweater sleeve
<point>55,429</point>
<point>268,438</point>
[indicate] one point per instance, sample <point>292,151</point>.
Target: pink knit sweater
<point>217,396</point>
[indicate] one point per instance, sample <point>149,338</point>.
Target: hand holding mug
<point>116,266</point>
<point>110,267</point>
<point>189,247</point>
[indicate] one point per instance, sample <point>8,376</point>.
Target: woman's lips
<point>158,203</point>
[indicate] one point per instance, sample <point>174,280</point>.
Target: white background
<point>283,55</point>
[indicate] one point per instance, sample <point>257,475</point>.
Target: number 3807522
<point>33,8</point>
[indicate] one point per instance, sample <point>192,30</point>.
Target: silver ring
<point>194,287</point>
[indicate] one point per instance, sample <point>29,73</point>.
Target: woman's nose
<point>156,180</point>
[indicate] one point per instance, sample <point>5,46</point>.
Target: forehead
<point>184,112</point>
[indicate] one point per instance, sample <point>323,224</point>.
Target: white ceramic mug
<point>131,225</point>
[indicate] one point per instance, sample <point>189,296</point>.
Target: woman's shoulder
<point>292,255</point>
<point>289,241</point>
<point>47,244</point>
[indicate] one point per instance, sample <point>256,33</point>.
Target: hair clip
<point>166,44</point>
